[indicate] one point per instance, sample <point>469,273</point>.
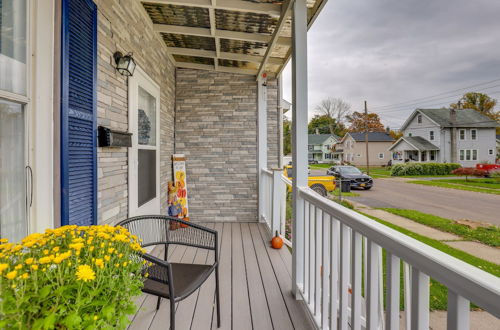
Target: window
<point>409,134</point>
<point>310,147</point>
<point>431,135</point>
<point>461,134</point>
<point>432,155</point>
<point>381,155</point>
<point>490,152</point>
<point>467,154</point>
<point>462,154</point>
<point>419,119</point>
<point>473,134</point>
<point>474,154</point>
<point>358,155</point>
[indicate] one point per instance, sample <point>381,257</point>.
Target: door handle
<point>30,171</point>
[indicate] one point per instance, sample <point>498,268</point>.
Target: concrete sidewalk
<point>476,249</point>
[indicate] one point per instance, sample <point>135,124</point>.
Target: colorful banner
<point>177,191</point>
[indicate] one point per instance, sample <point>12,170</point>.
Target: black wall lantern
<point>124,64</point>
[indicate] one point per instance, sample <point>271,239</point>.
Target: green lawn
<point>438,292</point>
<point>487,235</point>
<point>439,183</point>
<point>335,193</point>
<point>320,166</point>
<point>378,172</point>
<point>489,183</point>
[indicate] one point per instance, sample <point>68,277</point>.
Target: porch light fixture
<point>125,64</point>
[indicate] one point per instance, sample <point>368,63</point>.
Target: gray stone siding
<point>123,25</point>
<point>216,128</point>
<point>272,124</point>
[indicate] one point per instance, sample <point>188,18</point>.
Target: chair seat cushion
<point>187,278</point>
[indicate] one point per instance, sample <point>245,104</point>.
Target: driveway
<point>447,203</point>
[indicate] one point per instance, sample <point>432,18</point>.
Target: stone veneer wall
<point>123,25</point>
<point>216,127</point>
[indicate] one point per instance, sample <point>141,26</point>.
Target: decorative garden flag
<point>180,186</point>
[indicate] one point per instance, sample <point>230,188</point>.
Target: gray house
<point>320,147</point>
<point>446,135</point>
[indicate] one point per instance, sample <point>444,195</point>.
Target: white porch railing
<point>342,268</point>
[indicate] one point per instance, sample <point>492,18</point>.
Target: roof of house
<point>372,137</point>
<point>417,142</point>
<point>465,118</point>
<point>320,138</point>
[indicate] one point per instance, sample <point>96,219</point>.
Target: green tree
<point>287,136</point>
<point>324,125</point>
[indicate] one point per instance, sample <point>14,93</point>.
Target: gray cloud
<point>391,51</point>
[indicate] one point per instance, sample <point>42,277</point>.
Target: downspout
<point>280,121</point>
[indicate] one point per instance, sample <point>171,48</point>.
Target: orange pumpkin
<point>277,242</point>
<point>184,225</point>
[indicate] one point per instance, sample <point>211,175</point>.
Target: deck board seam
<point>246,275</point>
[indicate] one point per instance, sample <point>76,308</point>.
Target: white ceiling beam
<point>223,55</point>
<point>286,9</point>
<point>232,35</point>
<point>233,5</point>
<point>198,66</point>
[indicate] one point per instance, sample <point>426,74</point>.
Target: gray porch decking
<point>255,286</point>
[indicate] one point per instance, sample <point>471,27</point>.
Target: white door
<point>15,173</point>
<point>144,155</point>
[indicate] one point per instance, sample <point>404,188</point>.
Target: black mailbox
<point>110,138</point>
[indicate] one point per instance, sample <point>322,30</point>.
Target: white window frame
<point>462,154</point>
<point>474,154</point>
<point>490,152</point>
<point>431,135</point>
<point>381,155</point>
<point>473,137</point>
<point>464,131</point>
<point>419,119</point>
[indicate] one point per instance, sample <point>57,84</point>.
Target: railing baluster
<point>334,271</point>
<point>312,260</point>
<point>356,281</point>
<point>306,250</point>
<point>407,294</point>
<point>419,300</point>
<point>325,267</point>
<point>372,285</point>
<point>344,276</point>
<point>393,278</point>
<point>458,317</point>
<point>318,243</point>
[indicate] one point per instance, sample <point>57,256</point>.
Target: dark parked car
<point>358,179</point>
<point>312,161</point>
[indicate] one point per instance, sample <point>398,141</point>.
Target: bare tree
<point>335,108</point>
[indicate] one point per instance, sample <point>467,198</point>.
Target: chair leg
<point>158,303</point>
<point>217,297</point>
<point>172,315</point>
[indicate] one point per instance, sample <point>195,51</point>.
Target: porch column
<point>262,140</point>
<point>299,137</point>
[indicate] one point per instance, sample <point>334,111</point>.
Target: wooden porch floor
<point>255,286</point>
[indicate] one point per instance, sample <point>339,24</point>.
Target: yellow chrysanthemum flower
<point>107,258</point>
<point>99,263</point>
<point>85,273</point>
<point>29,261</point>
<point>25,276</point>
<point>4,240</point>
<point>3,267</point>
<point>11,275</point>
<point>34,267</point>
<point>46,260</point>
<point>18,267</point>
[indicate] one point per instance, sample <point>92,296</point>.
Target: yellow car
<point>322,184</point>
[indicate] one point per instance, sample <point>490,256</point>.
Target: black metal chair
<point>174,281</point>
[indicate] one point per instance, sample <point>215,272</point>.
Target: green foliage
<point>70,278</point>
<point>411,169</point>
<point>487,235</point>
<point>325,125</point>
<point>437,183</point>
<point>287,136</point>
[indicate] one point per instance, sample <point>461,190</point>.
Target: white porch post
<point>299,136</point>
<point>262,140</point>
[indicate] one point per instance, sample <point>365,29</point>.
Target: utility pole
<point>366,140</point>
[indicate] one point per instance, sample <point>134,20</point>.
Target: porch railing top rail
<point>476,285</point>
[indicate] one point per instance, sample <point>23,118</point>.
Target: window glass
<point>474,154</point>
<point>490,151</point>
<point>473,134</point>
<point>146,126</point>
<point>462,154</point>
<point>467,155</point>
<point>147,176</point>
<point>13,49</point>
<point>431,135</point>
<point>13,217</point>
<point>381,156</point>
<point>462,134</point>
<point>419,119</point>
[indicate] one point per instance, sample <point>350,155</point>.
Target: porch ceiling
<point>237,36</point>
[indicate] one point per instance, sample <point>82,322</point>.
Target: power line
<point>433,96</point>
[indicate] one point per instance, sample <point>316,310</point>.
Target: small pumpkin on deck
<point>277,242</point>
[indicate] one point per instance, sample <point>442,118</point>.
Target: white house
<point>320,147</point>
<point>443,135</point>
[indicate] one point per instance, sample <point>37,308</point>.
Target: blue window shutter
<point>78,113</point>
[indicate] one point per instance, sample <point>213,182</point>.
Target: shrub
<point>470,171</point>
<point>70,278</point>
<point>412,169</point>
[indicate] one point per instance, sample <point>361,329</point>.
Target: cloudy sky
<point>392,52</point>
